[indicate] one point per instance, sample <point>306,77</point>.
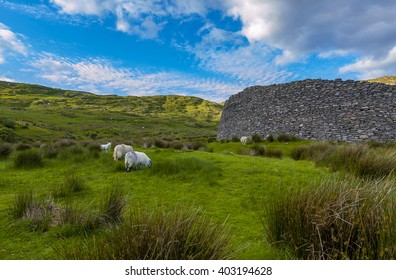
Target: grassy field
<point>38,113</point>
<point>228,187</point>
<point>201,199</point>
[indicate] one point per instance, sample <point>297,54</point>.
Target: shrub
<point>160,235</point>
<point>286,138</point>
<point>5,150</point>
<point>275,153</point>
<point>28,159</point>
<point>256,138</point>
<point>159,143</point>
<point>198,145</point>
<point>50,151</point>
<point>65,143</point>
<point>23,147</point>
<point>235,139</point>
<point>7,134</point>
<point>300,153</point>
<point>177,145</point>
<point>4,121</point>
<point>259,150</point>
<point>270,138</point>
<point>349,219</point>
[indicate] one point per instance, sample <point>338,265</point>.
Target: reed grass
<point>349,219</point>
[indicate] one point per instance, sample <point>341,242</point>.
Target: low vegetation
<point>156,235</point>
<point>349,219</point>
<point>360,160</point>
<point>274,198</point>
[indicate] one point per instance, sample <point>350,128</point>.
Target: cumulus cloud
<point>144,18</point>
<point>246,63</point>
<point>294,30</point>
<point>318,26</point>
<point>102,77</point>
<point>370,67</point>
<point>10,43</point>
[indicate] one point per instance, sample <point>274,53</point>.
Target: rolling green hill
<point>38,113</point>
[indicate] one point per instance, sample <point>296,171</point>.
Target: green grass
<point>224,186</point>
<point>36,113</point>
<point>333,219</point>
<point>71,195</point>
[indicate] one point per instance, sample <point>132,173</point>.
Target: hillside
<point>38,113</point>
<point>390,80</point>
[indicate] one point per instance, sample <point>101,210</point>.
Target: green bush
<point>270,138</point>
<point>50,150</point>
<point>23,147</point>
<point>159,235</point>
<point>4,121</point>
<point>259,150</point>
<point>300,153</point>
<point>275,153</point>
<point>256,138</point>
<point>349,219</point>
<point>5,150</point>
<point>235,139</point>
<point>28,159</point>
<point>286,138</point>
<point>7,134</point>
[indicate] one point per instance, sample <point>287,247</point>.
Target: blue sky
<point>206,48</point>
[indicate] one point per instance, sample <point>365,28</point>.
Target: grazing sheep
<point>105,147</point>
<point>244,140</point>
<point>136,159</point>
<point>121,150</point>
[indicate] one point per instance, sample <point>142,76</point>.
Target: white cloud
<point>10,43</point>
<point>246,63</point>
<point>293,29</point>
<point>370,67</point>
<point>144,18</point>
<point>102,77</point>
<point>318,26</point>
<point>5,79</point>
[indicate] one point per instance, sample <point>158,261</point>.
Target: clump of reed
<point>156,235</point>
<point>358,159</point>
<point>28,159</point>
<point>348,219</point>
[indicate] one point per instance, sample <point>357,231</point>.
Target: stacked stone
<point>336,110</point>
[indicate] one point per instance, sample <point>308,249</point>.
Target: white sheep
<point>244,140</point>
<point>120,151</point>
<point>136,159</point>
<point>105,147</point>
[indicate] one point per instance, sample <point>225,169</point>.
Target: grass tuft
<point>349,219</point>
<point>28,159</point>
<point>5,150</point>
<point>157,235</point>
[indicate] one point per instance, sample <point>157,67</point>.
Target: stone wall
<point>313,109</point>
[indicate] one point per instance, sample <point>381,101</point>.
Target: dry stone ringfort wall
<point>318,109</point>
